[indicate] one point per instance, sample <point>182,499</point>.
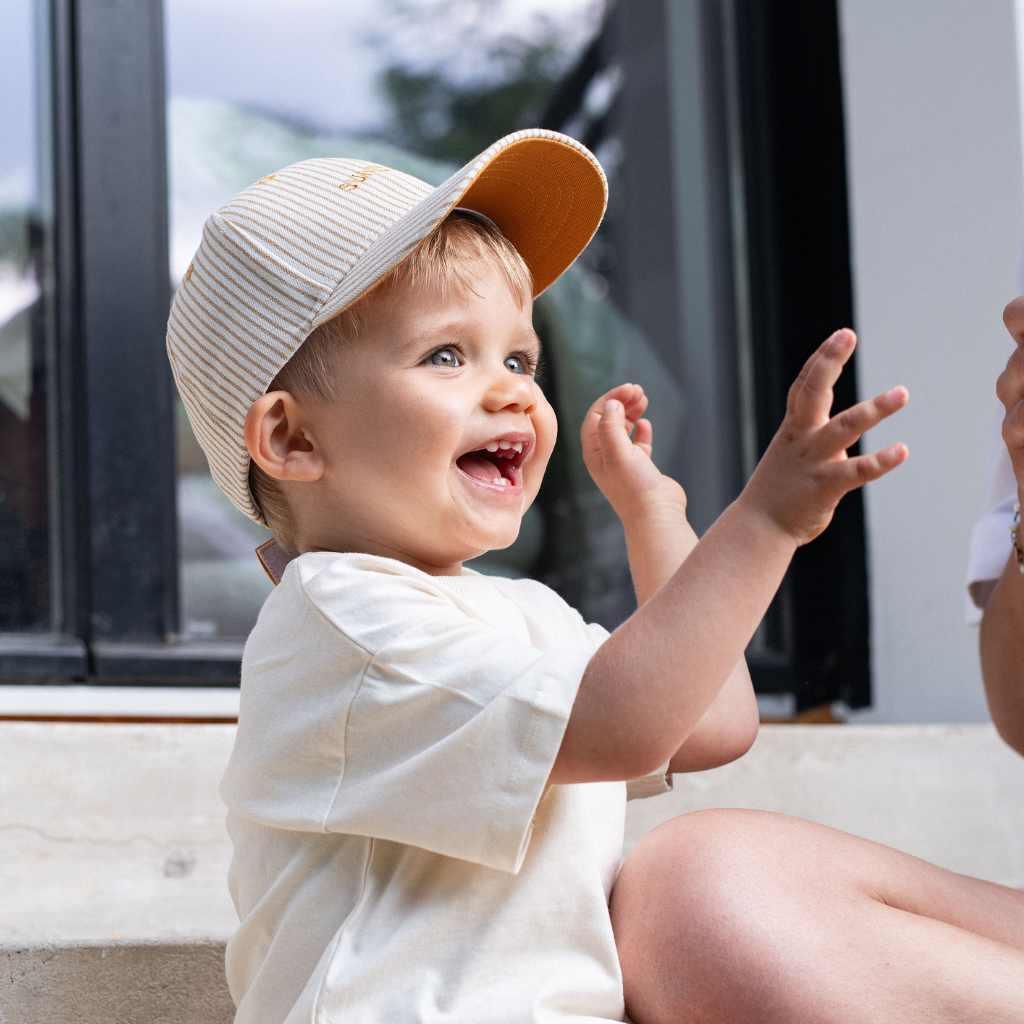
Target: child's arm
<point>651,682</point>
<point>657,545</point>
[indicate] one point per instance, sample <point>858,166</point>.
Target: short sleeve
<point>655,784</point>
<point>455,724</point>
<point>990,545</point>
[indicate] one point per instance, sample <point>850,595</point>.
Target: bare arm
<point>1002,654</point>
<point>649,685</point>
<point>653,679</point>
<point>1002,624</point>
<point>657,546</point>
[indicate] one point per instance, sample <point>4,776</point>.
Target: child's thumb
<point>611,429</point>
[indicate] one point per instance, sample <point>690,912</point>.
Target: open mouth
<point>499,469</point>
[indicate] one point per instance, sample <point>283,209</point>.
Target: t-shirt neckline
<point>466,571</point>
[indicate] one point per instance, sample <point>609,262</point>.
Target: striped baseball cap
<point>300,245</point>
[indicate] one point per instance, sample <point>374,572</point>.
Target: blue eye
<point>530,364</point>
<point>446,348</point>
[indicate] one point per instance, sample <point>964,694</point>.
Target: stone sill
<point>83,701</point>
<point>113,853</point>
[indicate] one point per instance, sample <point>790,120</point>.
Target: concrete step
<point>113,854</point>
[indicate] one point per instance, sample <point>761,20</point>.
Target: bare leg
<point>730,917</point>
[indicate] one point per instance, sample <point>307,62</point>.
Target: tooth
<point>493,447</point>
<point>518,447</point>
<point>504,444</point>
<point>501,482</point>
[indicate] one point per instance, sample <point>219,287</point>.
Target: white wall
<point>934,155</point>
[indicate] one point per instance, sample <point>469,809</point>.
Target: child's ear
<point>277,440</point>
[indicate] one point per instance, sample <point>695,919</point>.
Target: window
<point>490,68</point>
<point>125,561</point>
<point>26,323</point>
<point>38,620</point>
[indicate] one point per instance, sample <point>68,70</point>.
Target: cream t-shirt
<point>398,855</point>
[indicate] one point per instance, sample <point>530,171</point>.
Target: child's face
<point>427,380</point>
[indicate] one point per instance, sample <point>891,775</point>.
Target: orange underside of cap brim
<point>548,200</point>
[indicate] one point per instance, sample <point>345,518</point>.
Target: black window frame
<point>115,588</point>
<point>734,122</point>
<point>722,80</point>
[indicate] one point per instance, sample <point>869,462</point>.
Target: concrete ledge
<point>116,983</point>
<point>952,794</point>
<point>113,854</point>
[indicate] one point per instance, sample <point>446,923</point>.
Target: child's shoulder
<point>540,604</point>
<point>526,590</point>
<point>365,597</point>
<point>373,598</point>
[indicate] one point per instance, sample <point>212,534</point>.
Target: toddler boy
<point>426,793</point>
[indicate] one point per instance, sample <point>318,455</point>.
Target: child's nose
<point>510,389</point>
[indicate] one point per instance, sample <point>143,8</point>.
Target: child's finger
<point>846,429</point>
<point>855,472</point>
<point>810,396</point>
<point>644,436</point>
<point>635,402</point>
<point>615,443</point>
<point>621,392</point>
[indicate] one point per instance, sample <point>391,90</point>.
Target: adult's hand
<point>1010,389</point>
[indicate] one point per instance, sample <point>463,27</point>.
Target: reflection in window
<point>421,85</point>
<point>26,298</point>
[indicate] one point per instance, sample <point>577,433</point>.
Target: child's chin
<point>500,541</point>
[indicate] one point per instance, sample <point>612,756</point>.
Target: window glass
<point>421,85</point>
<point>26,317</point>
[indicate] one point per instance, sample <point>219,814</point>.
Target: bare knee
<point>686,909</point>
<point>699,863</point>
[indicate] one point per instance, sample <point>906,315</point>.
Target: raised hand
<point>805,470</point>
<point>623,467</point>
<point>1010,390</point>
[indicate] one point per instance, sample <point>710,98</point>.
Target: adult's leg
<point>745,916</point>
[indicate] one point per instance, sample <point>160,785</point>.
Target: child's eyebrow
<point>531,339</point>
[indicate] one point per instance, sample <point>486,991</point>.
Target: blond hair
<point>443,261</point>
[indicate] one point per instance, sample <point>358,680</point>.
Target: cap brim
<point>545,190</point>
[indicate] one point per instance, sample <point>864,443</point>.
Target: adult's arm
<point>1002,654</point>
<point>1002,625</point>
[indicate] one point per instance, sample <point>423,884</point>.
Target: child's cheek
<point>546,426</point>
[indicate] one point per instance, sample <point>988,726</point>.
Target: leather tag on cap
<point>273,560</point>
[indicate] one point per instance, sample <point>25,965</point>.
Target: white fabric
<point>398,855</point>
<point>990,544</point>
